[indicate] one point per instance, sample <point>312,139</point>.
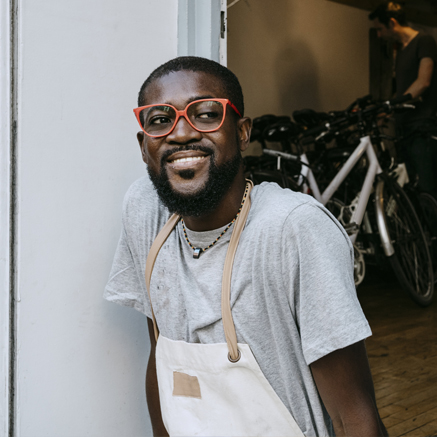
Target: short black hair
<point>387,10</point>
<point>194,63</point>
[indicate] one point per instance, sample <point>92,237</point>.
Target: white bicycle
<point>391,228</point>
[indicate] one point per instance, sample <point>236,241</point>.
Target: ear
<point>392,23</point>
<point>244,126</point>
<point>141,137</point>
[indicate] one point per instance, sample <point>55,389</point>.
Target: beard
<point>208,198</point>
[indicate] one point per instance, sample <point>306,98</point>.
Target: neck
<point>406,34</point>
<point>224,213</point>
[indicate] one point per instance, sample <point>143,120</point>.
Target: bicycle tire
<point>411,260</point>
<point>428,205</point>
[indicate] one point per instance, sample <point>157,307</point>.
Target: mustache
<point>170,152</point>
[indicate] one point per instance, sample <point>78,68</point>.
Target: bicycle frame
<point>373,170</point>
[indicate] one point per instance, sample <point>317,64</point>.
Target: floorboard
<point>403,356</point>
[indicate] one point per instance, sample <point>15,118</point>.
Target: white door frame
<point>7,113</point>
<point>202,29</point>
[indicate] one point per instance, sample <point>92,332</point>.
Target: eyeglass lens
<point>203,115</point>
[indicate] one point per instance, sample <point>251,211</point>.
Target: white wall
<point>81,361</point>
<point>4,215</point>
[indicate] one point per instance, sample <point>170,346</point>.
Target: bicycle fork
<point>373,171</point>
<point>381,219</point>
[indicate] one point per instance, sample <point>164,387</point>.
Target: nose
<point>183,132</point>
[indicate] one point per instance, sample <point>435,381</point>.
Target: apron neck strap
<point>151,258</point>
<point>228,322</point>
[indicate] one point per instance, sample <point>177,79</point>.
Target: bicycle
<point>424,203</point>
<point>393,222</point>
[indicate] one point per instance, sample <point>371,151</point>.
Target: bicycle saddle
<point>259,124</point>
<point>309,118</point>
<point>281,131</point>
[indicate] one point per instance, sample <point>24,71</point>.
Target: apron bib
<point>216,389</point>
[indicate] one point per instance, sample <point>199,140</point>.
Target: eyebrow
<point>192,99</point>
<point>189,100</point>
<point>150,109</point>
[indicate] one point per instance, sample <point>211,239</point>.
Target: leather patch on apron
<point>186,385</point>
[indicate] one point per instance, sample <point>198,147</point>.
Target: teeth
<point>191,158</point>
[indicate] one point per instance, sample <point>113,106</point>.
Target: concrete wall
<point>294,54</point>
<point>80,361</point>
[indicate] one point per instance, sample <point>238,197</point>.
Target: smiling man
<point>254,322</point>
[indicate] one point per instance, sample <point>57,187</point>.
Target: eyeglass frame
<point>183,113</point>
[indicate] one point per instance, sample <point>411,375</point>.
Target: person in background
<point>254,321</point>
<point>416,76</point>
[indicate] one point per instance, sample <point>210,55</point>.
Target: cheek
<point>150,152</point>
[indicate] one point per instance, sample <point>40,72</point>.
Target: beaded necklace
<point>198,250</point>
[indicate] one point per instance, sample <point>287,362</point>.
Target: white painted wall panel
<point>81,361</point>
<point>4,213</point>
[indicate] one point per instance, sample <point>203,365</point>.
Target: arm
<point>345,385</point>
<point>424,76</point>
<point>152,393</point>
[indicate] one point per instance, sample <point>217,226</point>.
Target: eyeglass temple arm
<point>234,108</point>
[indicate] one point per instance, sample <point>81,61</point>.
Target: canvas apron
<point>215,389</point>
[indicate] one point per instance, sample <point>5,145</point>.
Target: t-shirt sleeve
<point>324,298</point>
<point>427,48</point>
<point>142,218</point>
<point>124,287</point>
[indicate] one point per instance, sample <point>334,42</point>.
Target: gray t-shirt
<point>292,292</point>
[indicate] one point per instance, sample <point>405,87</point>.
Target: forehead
<point>180,87</point>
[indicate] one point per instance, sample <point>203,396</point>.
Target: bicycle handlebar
<point>350,116</point>
<point>401,99</point>
<point>315,131</point>
<point>284,155</point>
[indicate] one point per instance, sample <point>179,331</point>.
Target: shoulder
<point>426,46</point>
<point>287,214</point>
<point>424,38</point>
<point>140,195</point>
<point>283,205</point>
<point>278,202</point>
<point>142,206</point>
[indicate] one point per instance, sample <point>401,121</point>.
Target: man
<point>416,75</point>
<point>260,330</point>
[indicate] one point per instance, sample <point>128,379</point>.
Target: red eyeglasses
<point>205,115</point>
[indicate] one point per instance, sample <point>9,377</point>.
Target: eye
<point>207,115</point>
<point>159,120</point>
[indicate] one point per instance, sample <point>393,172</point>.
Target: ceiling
<point>418,11</point>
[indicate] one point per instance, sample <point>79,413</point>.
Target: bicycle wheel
<point>429,211</point>
<point>411,261</point>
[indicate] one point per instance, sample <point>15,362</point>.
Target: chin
<point>191,194</point>
<point>186,174</point>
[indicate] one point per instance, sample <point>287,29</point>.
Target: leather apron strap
<point>151,258</point>
<point>228,322</point>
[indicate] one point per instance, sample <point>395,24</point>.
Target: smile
<point>188,159</point>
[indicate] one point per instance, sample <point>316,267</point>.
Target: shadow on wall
<point>297,79</point>
<point>275,64</point>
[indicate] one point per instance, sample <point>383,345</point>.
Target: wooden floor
<point>403,357</point>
